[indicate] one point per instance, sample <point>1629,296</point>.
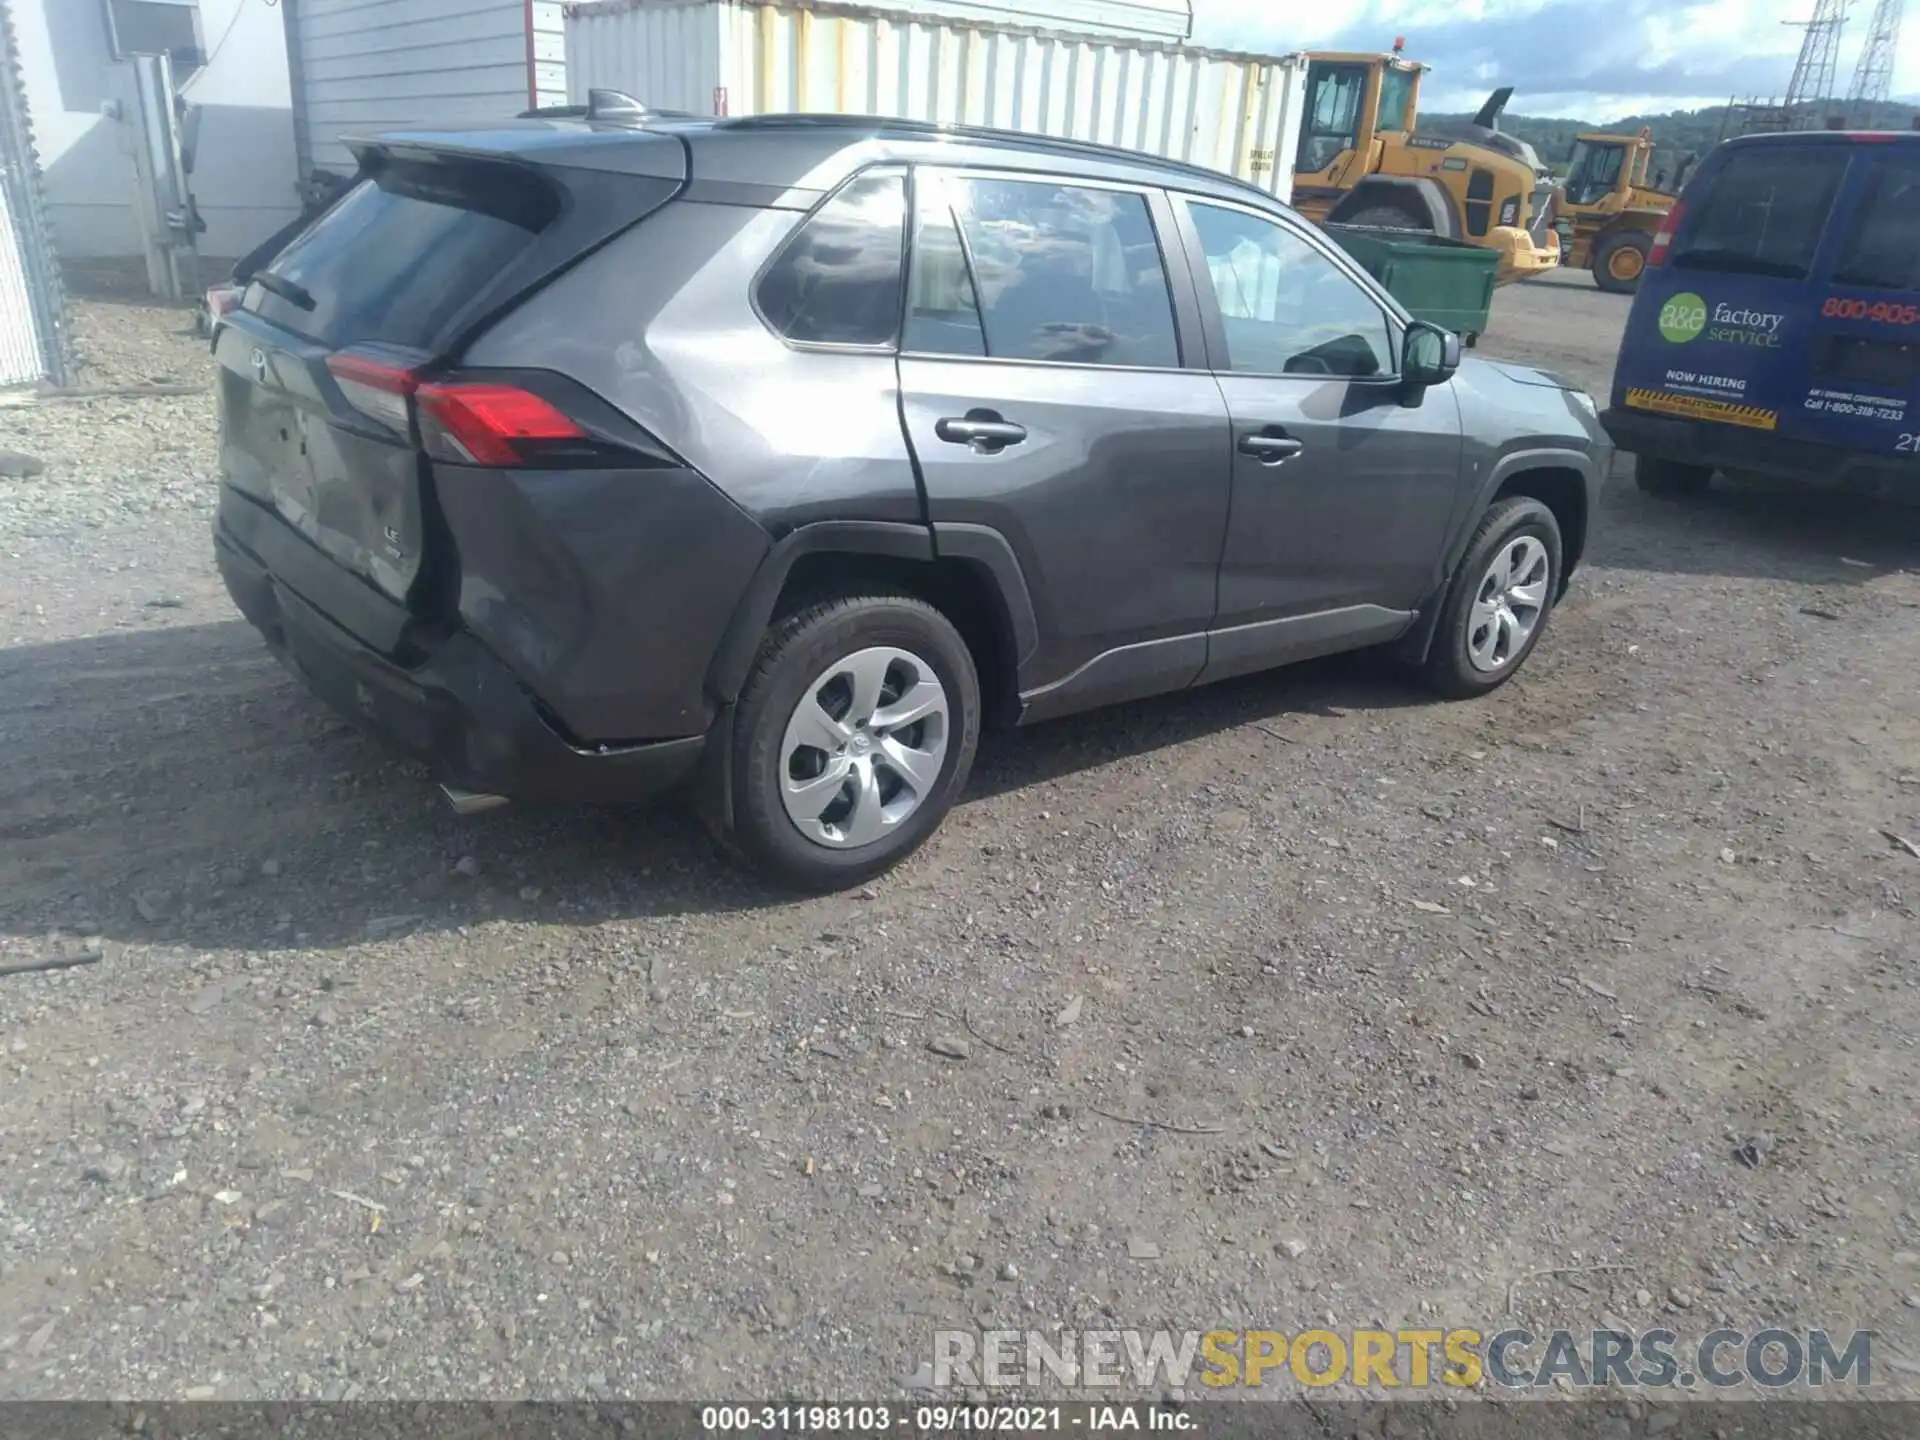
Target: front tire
<point>1497,606</point>
<point>854,735</point>
<point>1670,478</point>
<point>1621,260</point>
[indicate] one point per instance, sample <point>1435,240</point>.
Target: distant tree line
<point>1675,135</point>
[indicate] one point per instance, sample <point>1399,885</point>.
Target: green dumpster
<point>1444,282</point>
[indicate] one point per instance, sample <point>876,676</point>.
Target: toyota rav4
<point>778,455</point>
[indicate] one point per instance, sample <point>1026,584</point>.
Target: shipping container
<point>1231,112</point>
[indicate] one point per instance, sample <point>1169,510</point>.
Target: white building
<point>230,60</point>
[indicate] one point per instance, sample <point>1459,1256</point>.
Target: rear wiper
<point>290,291</point>
<point>1734,263</point>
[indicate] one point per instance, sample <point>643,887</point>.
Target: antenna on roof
<point>614,105</point>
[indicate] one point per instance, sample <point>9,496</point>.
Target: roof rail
<point>899,125</point>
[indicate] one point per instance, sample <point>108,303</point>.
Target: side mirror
<point>1429,355</point>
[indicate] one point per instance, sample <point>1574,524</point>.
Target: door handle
<point>1271,447</point>
<point>983,431</point>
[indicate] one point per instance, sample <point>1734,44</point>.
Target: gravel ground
<point>1299,999</point>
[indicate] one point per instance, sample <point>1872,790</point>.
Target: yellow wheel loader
<point>1365,160</point>
<point>1608,210</point>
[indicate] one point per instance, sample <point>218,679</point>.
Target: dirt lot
<point>1379,1006</point>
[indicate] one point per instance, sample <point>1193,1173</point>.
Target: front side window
<point>1037,270</point>
<point>1764,213</point>
<point>837,280</point>
<point>1287,309</point>
<point>1396,89</point>
<point>1883,252</point>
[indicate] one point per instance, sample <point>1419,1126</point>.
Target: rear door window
<point>1039,270</point>
<point>1883,250</point>
<point>404,251</point>
<point>837,281</point>
<point>1764,212</point>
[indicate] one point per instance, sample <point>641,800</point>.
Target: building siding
<point>370,65</point>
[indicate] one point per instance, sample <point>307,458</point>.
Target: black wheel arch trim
<point>733,658</point>
<point>986,547</point>
<point>1415,644</point>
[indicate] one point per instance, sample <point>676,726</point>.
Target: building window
<point>158,27</point>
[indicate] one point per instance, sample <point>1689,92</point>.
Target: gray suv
<point>779,455</point>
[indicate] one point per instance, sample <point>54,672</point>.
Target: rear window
<point>1764,212</point>
<point>405,250</point>
<point>1883,252</point>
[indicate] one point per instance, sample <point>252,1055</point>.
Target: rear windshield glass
<point>1883,251</point>
<point>403,251</point>
<point>1764,212</point>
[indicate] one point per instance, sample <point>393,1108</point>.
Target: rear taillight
<point>487,424</point>
<point>1663,237</point>
<point>470,422</point>
<point>223,298</point>
<point>377,389</point>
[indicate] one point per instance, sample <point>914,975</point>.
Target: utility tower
<point>1873,76</point>
<point>1812,85</point>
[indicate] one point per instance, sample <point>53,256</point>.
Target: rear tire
<point>1384,217</point>
<point>1498,604</point>
<point>1620,260</point>
<point>1670,479</point>
<point>818,707</point>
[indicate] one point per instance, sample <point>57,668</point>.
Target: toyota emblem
<point>259,360</point>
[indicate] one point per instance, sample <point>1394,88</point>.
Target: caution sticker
<point>1695,407</point>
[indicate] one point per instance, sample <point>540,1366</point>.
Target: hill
<point>1675,134</point>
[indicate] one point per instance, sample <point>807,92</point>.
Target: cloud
<point>1565,56</point>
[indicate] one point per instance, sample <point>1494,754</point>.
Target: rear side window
<point>1883,252</point>
<point>837,280</point>
<point>1039,270</point>
<point>1764,212</point>
<point>406,249</point>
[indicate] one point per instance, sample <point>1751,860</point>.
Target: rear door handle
<point>1270,447</point>
<point>981,430</point>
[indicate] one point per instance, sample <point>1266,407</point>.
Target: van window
<point>1883,252</point>
<point>1764,212</point>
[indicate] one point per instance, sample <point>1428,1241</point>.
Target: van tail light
<point>1663,237</point>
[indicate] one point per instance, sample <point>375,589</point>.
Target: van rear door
<point>1721,330</point>
<point>1863,365</point>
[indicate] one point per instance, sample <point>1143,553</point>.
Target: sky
<point>1582,58</point>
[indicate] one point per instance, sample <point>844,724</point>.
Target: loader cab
<point>1352,99</point>
<point>1598,167</point>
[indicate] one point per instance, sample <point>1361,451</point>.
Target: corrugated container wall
<point>359,67</point>
<point>1230,112</point>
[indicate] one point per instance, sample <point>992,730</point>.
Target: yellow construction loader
<point>1608,210</point>
<point>1364,160</point>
